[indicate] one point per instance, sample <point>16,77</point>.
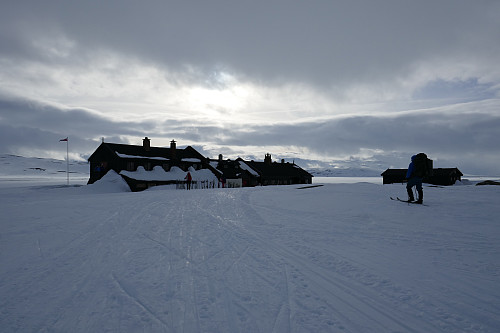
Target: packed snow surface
<point>336,258</point>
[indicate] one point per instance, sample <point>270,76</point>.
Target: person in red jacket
<point>188,179</point>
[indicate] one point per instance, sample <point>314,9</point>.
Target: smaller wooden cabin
<point>439,176</point>
<point>391,176</point>
<point>445,176</point>
<point>236,171</point>
<point>252,173</point>
<point>283,173</point>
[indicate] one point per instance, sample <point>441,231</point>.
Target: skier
<point>415,175</point>
<point>188,179</point>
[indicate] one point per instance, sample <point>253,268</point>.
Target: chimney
<point>146,144</point>
<point>220,157</point>
<point>282,161</point>
<point>267,159</point>
<point>173,148</point>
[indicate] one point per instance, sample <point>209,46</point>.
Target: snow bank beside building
<point>109,183</point>
<point>175,174</point>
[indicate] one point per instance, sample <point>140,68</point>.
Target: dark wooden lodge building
<point>122,157</point>
<point>126,159</point>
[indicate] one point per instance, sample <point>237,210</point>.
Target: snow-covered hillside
<point>31,169</point>
<point>335,258</point>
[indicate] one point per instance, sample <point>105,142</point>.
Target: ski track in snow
<point>273,259</point>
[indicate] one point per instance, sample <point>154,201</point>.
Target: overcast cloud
<point>322,80</point>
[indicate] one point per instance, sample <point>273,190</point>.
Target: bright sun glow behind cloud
<point>119,87</point>
<point>227,101</point>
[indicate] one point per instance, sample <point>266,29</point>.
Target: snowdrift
<point>111,182</point>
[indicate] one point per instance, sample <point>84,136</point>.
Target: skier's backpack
<point>422,165</point>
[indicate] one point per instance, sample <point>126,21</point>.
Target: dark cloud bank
<point>465,143</point>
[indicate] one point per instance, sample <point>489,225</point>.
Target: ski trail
<point>237,260</point>
<point>374,297</point>
<point>169,248</point>
<point>352,299</point>
<point>137,301</point>
<point>40,248</point>
<point>283,318</point>
<point>347,293</point>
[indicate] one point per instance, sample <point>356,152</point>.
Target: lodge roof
<point>139,152</point>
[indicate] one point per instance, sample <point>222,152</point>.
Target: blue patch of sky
<point>458,90</point>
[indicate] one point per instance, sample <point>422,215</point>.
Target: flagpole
<point>67,161</point>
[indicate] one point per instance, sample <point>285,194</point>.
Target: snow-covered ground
<point>335,258</point>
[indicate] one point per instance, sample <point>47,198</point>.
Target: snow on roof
<point>195,160</point>
<point>143,157</point>
<point>203,174</point>
<point>175,173</point>
<point>245,166</point>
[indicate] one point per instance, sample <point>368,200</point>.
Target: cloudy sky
<point>362,81</point>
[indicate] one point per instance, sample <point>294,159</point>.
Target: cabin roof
<point>276,170</point>
<point>394,172</point>
<point>436,172</point>
<point>447,171</point>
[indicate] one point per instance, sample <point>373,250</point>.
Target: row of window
<point>148,166</point>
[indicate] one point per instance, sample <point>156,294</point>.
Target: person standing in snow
<point>416,171</point>
<point>188,179</point>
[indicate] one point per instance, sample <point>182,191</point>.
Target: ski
<point>408,202</point>
<point>398,199</point>
<point>301,188</point>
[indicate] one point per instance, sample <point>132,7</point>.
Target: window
<point>130,166</point>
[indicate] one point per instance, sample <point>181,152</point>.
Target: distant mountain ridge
<point>15,165</point>
<point>344,172</point>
